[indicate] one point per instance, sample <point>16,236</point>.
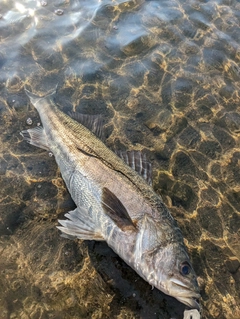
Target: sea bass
<point>115,201</point>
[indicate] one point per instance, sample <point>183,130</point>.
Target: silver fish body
<point>114,203</point>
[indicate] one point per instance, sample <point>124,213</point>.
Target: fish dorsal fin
<point>138,161</point>
<point>93,122</point>
<point>114,208</point>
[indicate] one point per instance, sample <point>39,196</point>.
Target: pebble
<point>29,121</point>
<point>59,12</point>
<point>43,3</point>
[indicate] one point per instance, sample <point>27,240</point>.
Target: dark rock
<point>183,195</point>
<point>211,149</point>
<point>3,167</point>
<point>210,195</point>
<point>225,140</point>
<point>216,171</point>
<point>232,265</point>
<point>234,199</point>
<point>234,223</point>
<point>183,165</point>
<point>189,137</point>
<point>166,152</point>
<point>210,220</point>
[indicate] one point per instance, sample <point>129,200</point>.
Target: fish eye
<point>185,268</point>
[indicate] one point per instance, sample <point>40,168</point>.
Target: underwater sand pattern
<point>166,77</point>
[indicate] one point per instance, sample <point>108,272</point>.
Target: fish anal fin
<point>36,136</point>
<point>93,122</point>
<point>114,209</point>
<point>79,225</point>
<point>137,161</point>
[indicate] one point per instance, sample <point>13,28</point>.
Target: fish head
<point>178,279</point>
<point>162,260</point>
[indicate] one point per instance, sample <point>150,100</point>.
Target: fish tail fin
<point>79,225</point>
<point>34,98</point>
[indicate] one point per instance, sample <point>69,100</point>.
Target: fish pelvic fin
<point>36,136</point>
<point>34,98</point>
<point>79,225</point>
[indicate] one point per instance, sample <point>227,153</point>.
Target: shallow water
<point>166,76</point>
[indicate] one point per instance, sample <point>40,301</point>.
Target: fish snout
<point>187,294</point>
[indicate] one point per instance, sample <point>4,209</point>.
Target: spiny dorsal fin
<point>93,122</point>
<point>138,161</point>
<point>114,208</point>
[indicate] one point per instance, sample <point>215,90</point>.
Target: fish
<point>115,201</point>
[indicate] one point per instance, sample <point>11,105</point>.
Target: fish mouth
<point>191,302</point>
<point>186,295</point>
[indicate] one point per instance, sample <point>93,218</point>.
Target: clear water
<point>166,77</point>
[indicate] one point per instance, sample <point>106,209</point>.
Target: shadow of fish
<point>115,201</point>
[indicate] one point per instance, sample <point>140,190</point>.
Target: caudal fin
<point>34,98</point>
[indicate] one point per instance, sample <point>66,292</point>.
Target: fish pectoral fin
<point>93,122</point>
<point>138,161</point>
<point>79,225</point>
<point>114,208</point>
<point>36,136</point>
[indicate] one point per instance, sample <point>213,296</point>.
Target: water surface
<point>166,77</point>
